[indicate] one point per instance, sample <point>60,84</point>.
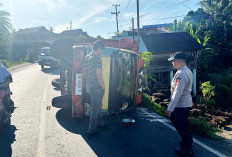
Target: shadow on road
<point>7,137</point>
<point>52,71</point>
<point>117,140</point>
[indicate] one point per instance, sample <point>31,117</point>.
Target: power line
<point>127,22</point>
<point>164,8</point>
<point>147,4</point>
<point>126,7</point>
<point>185,5</point>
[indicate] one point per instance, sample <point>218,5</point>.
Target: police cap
<point>178,55</point>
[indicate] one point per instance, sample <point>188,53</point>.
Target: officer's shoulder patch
<point>178,82</point>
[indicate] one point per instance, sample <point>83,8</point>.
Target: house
<point>74,33</point>
<point>162,46</point>
<point>32,35</point>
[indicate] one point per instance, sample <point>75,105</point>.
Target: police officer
<point>181,102</point>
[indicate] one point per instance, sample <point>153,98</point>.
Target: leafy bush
<point>147,76</point>
<point>5,63</point>
<point>154,106</point>
<point>207,90</point>
<point>197,125</point>
<point>9,64</point>
<point>202,127</point>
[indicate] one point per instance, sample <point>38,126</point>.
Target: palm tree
<point>213,7</point>
<point>5,24</point>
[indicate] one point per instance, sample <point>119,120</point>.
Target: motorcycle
<point>6,104</point>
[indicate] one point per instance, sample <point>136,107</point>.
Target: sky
<point>94,16</point>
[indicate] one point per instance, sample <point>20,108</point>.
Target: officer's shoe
<point>184,152</point>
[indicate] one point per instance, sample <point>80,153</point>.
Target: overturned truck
<point>122,73</point>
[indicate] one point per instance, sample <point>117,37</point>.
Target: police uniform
<point>181,102</point>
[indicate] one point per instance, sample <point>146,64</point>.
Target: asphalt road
<point>39,132</point>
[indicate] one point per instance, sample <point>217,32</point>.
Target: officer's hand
<point>168,112</point>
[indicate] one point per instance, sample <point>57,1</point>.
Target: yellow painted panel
<point>106,77</point>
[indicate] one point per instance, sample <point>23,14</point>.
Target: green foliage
<point>5,26</point>
<point>147,56</point>
<point>197,125</point>
<point>210,25</point>
<point>207,90</point>
<point>225,92</point>
<point>205,63</point>
<point>99,37</point>
<point>154,106</point>
<point>147,76</point>
<point>211,102</point>
<point>9,64</point>
<point>202,127</point>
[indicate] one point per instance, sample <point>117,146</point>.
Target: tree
<point>5,26</point>
<point>51,29</point>
<point>148,77</point>
<point>99,37</point>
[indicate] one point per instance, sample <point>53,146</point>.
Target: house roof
<point>158,25</point>
<point>170,42</point>
<point>32,30</point>
<point>73,33</point>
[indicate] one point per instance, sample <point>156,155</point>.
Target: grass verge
<point>197,125</point>
<point>9,64</point>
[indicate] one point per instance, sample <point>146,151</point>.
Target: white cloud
<point>53,5</point>
<point>102,19</point>
<point>128,15</point>
<point>60,28</point>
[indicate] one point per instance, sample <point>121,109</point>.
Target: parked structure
<point>162,46</point>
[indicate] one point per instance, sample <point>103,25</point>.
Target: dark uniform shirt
<point>91,64</point>
<point>181,88</point>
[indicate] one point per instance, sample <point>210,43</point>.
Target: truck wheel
<point>42,66</point>
<point>62,102</point>
<point>56,83</point>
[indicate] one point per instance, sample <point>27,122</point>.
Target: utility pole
<point>132,20</point>
<point>116,13</point>
<point>138,25</point>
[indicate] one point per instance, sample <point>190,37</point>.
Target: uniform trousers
<point>179,118</point>
<point>96,96</point>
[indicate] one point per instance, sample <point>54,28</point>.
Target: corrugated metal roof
<point>170,42</point>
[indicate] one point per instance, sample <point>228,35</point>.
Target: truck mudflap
<point>78,81</point>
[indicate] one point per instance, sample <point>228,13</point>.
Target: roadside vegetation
<point>198,124</point>
<point>9,64</point>
<point>6,53</point>
<point>211,26</point>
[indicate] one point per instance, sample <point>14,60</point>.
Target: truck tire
<point>56,83</point>
<point>42,66</point>
<point>64,102</point>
